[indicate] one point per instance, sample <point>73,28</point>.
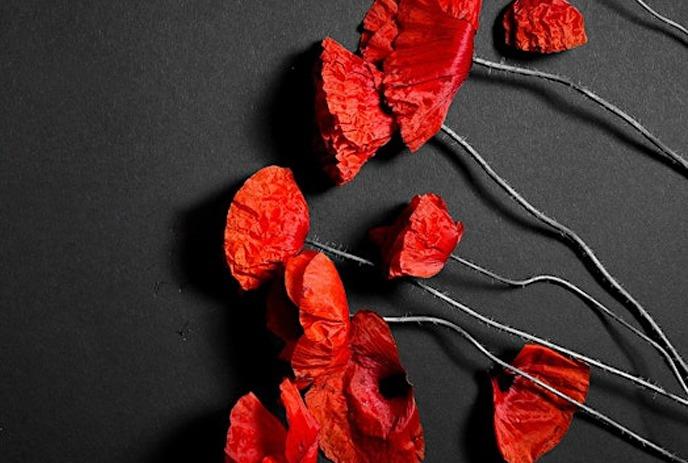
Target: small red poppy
<point>349,112</point>
<point>543,26</point>
<point>267,223</point>
<point>313,318</point>
<point>426,51</point>
<point>257,436</point>
<point>528,420</point>
<point>366,411</point>
<point>421,240</point>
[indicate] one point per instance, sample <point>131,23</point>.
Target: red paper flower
<point>358,389</point>
<point>350,117</point>
<point>420,241</point>
<point>267,223</point>
<point>319,343</point>
<point>543,26</point>
<point>426,50</point>
<point>257,436</point>
<point>528,420</point>
<point>366,411</point>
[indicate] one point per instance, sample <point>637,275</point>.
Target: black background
<point>125,128</point>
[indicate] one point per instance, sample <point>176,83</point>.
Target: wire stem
<point>512,331</point>
<point>667,152</point>
<point>662,18</point>
<point>563,283</point>
<point>578,242</point>
<point>597,415</point>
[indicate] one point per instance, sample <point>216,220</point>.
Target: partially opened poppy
<point>312,296</point>
<point>543,26</point>
<point>530,421</point>
<point>349,112</point>
<point>267,223</point>
<point>420,241</point>
<point>366,411</point>
<point>426,51</point>
<point>257,436</point>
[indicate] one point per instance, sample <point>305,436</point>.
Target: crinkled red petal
<point>352,123</point>
<point>379,30</point>
<point>528,420</point>
<point>367,411</point>
<point>302,437</point>
<point>267,223</point>
<point>313,285</point>
<point>282,318</point>
<point>255,435</point>
<point>420,241</point>
<point>432,57</point>
<point>543,26</point>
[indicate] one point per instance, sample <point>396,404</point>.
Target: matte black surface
<point>126,126</point>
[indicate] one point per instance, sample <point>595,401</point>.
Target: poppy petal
<point>254,433</point>
<point>267,223</point>
<point>528,420</point>
<point>367,412</point>
<point>432,57</point>
<point>420,241</point>
<point>302,437</point>
<point>379,30</point>
<point>543,26</point>
<point>313,285</point>
<point>352,124</point>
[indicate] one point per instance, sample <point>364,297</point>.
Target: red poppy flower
<point>349,112</point>
<point>420,241</point>
<point>257,436</point>
<point>366,411</point>
<point>543,26</point>
<point>426,50</point>
<point>313,318</point>
<point>528,420</point>
<point>267,223</point>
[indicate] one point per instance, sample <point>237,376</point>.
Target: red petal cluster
<point>426,50</point>
<point>352,124</point>
<point>267,223</point>
<point>313,318</point>
<point>358,389</point>
<point>257,436</point>
<point>528,420</point>
<point>420,241</point>
<point>543,26</point>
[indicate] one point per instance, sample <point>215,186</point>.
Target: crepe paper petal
<point>420,241</point>
<point>302,437</point>
<point>543,26</point>
<point>367,411</point>
<point>313,285</point>
<point>432,57</point>
<point>528,420</point>
<point>256,436</point>
<point>267,223</point>
<point>379,30</point>
<point>352,123</point>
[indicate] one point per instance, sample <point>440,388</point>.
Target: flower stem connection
<point>512,331</point>
<point>573,238</point>
<point>595,414</point>
<point>563,283</point>
<point>667,152</point>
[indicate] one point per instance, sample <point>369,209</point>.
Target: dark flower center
<point>394,386</point>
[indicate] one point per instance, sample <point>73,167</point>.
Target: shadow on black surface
<point>480,438</point>
<point>241,338</point>
<point>291,126</point>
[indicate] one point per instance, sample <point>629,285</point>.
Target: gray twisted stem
<point>595,414</point>
<point>563,283</point>
<point>669,22</point>
<point>573,238</point>
<point>667,152</point>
